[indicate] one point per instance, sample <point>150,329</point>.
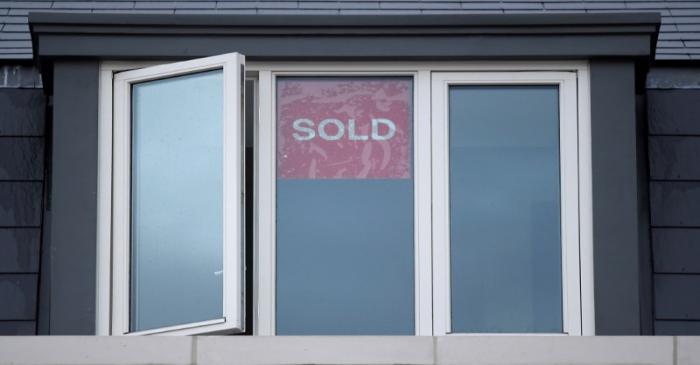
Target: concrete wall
<point>541,350</point>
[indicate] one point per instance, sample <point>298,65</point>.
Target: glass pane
<point>344,206</point>
<point>505,209</point>
<point>177,201</point>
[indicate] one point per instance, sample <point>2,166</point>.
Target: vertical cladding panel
<point>674,157</point>
<point>21,158</point>
<point>44,302</point>
<point>677,328</point>
<point>674,111</point>
<point>19,250</point>
<point>73,194</point>
<point>20,204</point>
<point>676,250</point>
<point>615,198</point>
<point>17,328</point>
<point>675,203</point>
<point>18,296</point>
<point>22,112</point>
<point>677,297</point>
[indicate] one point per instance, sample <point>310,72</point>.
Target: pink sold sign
<point>344,128</point>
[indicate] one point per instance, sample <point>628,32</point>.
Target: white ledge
<point>357,350</point>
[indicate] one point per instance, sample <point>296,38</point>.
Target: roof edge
<point>345,37</point>
<point>379,20</point>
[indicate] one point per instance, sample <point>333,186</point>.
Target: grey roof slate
<point>679,38</point>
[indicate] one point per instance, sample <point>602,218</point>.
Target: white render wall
<point>389,350</point>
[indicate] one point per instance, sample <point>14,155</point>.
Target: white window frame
<point>232,135</point>
<point>265,174</point>
<point>569,198</point>
<point>426,304</point>
<point>266,177</point>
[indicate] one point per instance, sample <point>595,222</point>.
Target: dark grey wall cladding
<point>20,204</point>
<point>673,98</point>
<point>21,158</point>
<point>19,249</point>
<point>22,112</point>
<point>677,250</point>
<point>671,287</point>
<point>675,203</point>
<point>18,294</point>
<point>677,328</point>
<point>674,112</point>
<point>14,328</point>
<point>22,106</point>
<point>674,157</point>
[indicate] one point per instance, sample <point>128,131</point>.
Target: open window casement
<point>177,198</point>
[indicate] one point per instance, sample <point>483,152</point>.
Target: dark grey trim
<point>73,199</point>
<point>417,47</point>
<point>347,37</point>
<point>358,21</point>
<point>616,220</point>
<point>646,276</point>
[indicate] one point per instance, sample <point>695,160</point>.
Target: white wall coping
<point>356,350</point>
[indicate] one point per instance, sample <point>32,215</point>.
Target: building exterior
<point>429,168</point>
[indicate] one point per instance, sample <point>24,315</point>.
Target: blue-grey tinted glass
<point>345,246</point>
<point>505,243</point>
<point>177,206</point>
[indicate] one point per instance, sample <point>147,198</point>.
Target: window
<point>177,198</point>
<point>344,211</point>
<point>410,198</point>
<point>506,242</point>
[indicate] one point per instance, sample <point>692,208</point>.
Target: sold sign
<point>344,128</point>
<point>306,127</point>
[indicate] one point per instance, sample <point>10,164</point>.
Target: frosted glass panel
<point>505,242</point>
<point>345,243</point>
<point>177,201</point>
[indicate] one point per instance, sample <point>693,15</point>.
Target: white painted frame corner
<point>571,137</point>
<point>233,310</point>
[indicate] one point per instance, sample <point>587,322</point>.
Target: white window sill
<point>389,350</point>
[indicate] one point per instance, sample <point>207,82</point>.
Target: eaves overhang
<point>354,37</point>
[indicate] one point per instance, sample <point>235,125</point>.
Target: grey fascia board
<point>503,24</point>
<point>449,36</point>
<point>143,46</point>
<point>363,21</point>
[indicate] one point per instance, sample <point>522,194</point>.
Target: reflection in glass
<point>505,242</point>
<point>177,206</point>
